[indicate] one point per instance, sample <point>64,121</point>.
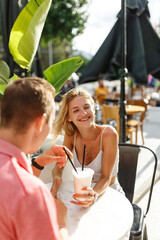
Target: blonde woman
<point>77,119</point>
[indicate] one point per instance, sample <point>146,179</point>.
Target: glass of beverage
<point>82,178</point>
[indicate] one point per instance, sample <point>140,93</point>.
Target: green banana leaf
<point>4,86</point>
<point>26,32</point>
<point>4,72</point>
<point>59,72</point>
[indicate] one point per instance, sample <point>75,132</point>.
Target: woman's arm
<point>109,147</point>
<point>57,172</point>
<point>62,219</point>
<point>57,179</point>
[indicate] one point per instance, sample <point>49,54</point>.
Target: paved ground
<point>153,216</point>
<point>152,140</point>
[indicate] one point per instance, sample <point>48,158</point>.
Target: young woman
<point>77,119</point>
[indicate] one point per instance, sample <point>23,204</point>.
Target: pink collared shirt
<point>27,208</point>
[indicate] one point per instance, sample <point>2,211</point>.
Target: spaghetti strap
<point>101,138</point>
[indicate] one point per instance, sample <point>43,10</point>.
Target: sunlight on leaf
<point>58,73</point>
<point>13,78</point>
<point>4,86</point>
<point>4,72</point>
<point>26,32</point>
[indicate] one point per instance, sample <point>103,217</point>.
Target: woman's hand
<point>54,154</point>
<point>85,200</point>
<point>57,179</point>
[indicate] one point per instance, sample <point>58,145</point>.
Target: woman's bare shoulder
<point>110,138</point>
<point>109,131</point>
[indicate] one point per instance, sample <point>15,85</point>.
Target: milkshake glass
<point>82,179</point>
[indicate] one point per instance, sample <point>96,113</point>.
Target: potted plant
<point>23,44</point>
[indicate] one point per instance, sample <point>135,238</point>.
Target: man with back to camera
<point>27,208</point>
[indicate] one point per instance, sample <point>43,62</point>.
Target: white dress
<point>96,165</point>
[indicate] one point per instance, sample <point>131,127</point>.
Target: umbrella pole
<point>123,73</point>
<point>122,111</point>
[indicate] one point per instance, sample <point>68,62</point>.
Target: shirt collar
<point>12,151</point>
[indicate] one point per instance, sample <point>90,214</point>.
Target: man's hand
<point>54,154</point>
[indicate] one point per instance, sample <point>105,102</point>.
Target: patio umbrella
<point>140,56</point>
<point>143,48</point>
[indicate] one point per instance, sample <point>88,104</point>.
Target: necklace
<point>88,152</point>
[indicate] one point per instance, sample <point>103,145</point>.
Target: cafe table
<point>109,218</point>
<point>134,109</point>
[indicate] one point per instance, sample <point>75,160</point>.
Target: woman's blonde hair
<point>62,122</point>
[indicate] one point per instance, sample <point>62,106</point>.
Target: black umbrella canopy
<point>143,48</point>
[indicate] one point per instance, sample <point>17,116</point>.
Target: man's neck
<point>19,140</point>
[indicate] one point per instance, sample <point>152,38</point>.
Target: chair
<point>127,175</point>
<point>110,101</point>
<point>134,122</point>
<point>112,113</point>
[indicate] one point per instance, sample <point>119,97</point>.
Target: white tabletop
<point>109,218</point>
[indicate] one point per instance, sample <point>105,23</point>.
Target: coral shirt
<point>27,208</point>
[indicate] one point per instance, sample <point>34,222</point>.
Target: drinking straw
<point>70,159</point>
<point>83,156</point>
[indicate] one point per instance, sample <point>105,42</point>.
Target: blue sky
<point>102,16</point>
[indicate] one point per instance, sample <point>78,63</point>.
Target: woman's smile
<point>84,119</point>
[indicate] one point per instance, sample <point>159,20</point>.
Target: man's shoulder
<point>14,176</point>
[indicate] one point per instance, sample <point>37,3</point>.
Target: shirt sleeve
<point>36,216</point>
<point>97,91</point>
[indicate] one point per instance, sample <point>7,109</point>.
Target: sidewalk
<point>153,216</point>
<point>152,140</point>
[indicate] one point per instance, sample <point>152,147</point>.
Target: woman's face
<point>81,111</point>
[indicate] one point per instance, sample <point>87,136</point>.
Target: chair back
<point>111,113</point>
<point>128,158</point>
<point>127,175</point>
<point>139,102</point>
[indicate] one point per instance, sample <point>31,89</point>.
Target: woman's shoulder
<point>108,131</point>
<point>106,128</point>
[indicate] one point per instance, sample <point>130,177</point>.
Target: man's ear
<point>40,122</point>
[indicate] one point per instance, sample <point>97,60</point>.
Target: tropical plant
<point>23,44</point>
<point>66,20</point>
